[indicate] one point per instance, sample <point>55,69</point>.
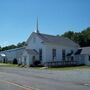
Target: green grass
<point>70,68</point>
<point>50,68</point>
<point>7,65</point>
<point>64,68</point>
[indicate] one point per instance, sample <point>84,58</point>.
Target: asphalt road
<point>4,85</point>
<point>44,79</point>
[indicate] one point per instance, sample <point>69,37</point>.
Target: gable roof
<point>69,54</point>
<point>83,50</point>
<point>56,39</point>
<point>31,51</point>
<point>12,50</point>
<point>86,50</point>
<point>78,51</point>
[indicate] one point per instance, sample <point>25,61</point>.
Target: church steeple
<point>37,30</point>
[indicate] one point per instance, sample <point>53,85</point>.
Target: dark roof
<point>69,54</point>
<point>56,39</point>
<point>32,51</point>
<point>78,52</point>
<point>13,49</point>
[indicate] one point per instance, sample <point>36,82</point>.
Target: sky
<point>18,18</point>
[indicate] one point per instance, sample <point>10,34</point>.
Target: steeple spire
<point>37,30</point>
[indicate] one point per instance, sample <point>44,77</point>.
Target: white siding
<point>58,48</point>
<point>87,61</point>
<point>12,54</point>
<point>37,44</point>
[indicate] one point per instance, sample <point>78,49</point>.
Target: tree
<point>8,47</point>
<point>82,38</point>
<point>69,34</point>
<point>13,46</point>
<point>0,48</point>
<point>86,34</point>
<point>21,44</point>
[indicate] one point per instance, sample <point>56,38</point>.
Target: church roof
<point>32,51</point>
<point>56,39</point>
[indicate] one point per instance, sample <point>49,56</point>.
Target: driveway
<point>36,79</point>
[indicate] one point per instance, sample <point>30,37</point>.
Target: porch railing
<point>61,63</point>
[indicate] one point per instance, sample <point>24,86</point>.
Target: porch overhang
<point>32,51</point>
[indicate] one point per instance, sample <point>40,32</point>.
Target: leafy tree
<point>8,47</point>
<point>69,34</point>
<point>0,48</point>
<point>13,46</point>
<point>21,44</point>
<point>82,38</point>
<point>86,34</point>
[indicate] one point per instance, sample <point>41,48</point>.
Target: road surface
<point>36,79</point>
<point>4,85</point>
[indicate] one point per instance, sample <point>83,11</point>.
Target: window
<point>40,54</point>
<point>33,59</point>
<point>71,51</point>
<point>72,58</point>
<point>89,58</point>
<point>25,58</point>
<point>53,54</point>
<point>34,39</point>
<point>63,54</point>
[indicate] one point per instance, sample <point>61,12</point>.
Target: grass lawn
<point>70,68</point>
<point>50,68</point>
<point>7,65</point>
<point>63,68</point>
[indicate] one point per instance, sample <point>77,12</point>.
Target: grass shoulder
<point>47,68</point>
<point>7,65</point>
<point>62,68</point>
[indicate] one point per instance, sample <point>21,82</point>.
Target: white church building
<point>48,50</point>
